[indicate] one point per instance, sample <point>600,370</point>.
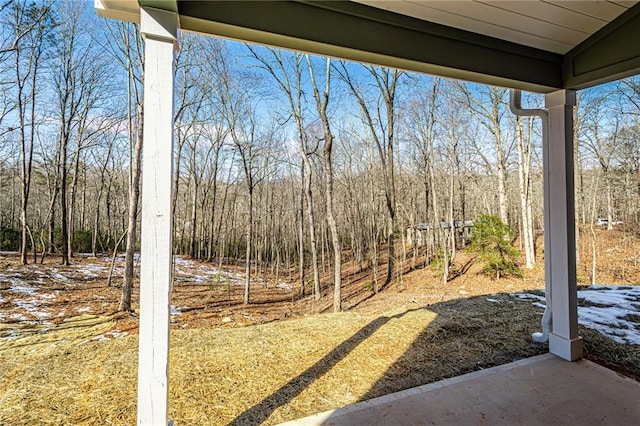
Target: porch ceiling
<point>532,45</point>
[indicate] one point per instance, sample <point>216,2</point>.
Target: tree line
<point>286,163</point>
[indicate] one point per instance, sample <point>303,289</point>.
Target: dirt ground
<point>205,296</point>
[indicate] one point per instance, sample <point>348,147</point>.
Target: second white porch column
<point>560,254</point>
<point>160,31</point>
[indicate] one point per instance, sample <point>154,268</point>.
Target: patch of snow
<point>58,276</point>
<point>607,309</point>
<point>285,286</point>
<point>23,289</point>
<point>610,317</point>
<point>48,295</point>
<point>89,274</point>
<point>10,277</point>
<point>32,306</point>
<point>175,310</point>
<point>94,267</point>
<point>82,310</point>
<point>18,317</point>
<point>209,269</point>
<point>92,270</point>
<point>179,260</point>
<point>200,279</point>
<point>493,300</point>
<point>526,296</point>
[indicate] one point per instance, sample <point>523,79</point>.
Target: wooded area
<point>261,136</point>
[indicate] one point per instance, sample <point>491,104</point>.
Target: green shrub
<point>9,239</point>
<point>492,243</point>
<point>82,240</point>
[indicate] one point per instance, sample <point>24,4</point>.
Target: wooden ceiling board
<point>624,3</point>
<point>489,20</point>
<point>471,24</point>
<point>493,16</point>
<point>605,10</point>
<point>552,14</point>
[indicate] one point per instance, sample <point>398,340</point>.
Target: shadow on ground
<point>467,335</point>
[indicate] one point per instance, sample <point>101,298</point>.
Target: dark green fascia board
<point>610,54</point>
<point>358,32</point>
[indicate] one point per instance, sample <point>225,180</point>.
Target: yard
<point>68,357</point>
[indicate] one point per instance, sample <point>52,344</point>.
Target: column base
<point>569,349</point>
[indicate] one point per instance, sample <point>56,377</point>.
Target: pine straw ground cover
<point>265,373</point>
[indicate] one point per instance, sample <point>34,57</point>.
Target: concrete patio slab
<point>543,390</point>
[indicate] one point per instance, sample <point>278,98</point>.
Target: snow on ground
<point>285,286</point>
<point>35,306</point>
<point>55,275</point>
<point>187,270</point>
<point>612,310</point>
<point>27,301</point>
<point>22,288</point>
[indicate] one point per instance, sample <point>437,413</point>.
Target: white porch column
<point>560,241</point>
<point>160,30</point>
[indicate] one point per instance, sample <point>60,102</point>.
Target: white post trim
<point>560,240</point>
<point>159,29</point>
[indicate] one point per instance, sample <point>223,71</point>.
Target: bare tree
<point>79,76</point>
<point>31,26</point>
<point>486,104</point>
<point>322,103</point>
<point>382,131</point>
<point>239,110</point>
<point>525,150</point>
<point>291,86</point>
<point>127,49</point>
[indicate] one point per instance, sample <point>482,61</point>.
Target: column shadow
<point>261,411</point>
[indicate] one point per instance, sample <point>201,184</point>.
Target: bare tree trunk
<point>524,166</point>
<point>594,254</point>
<point>437,222</point>
<point>609,204</point>
<point>72,202</point>
<point>312,228</point>
<point>96,219</point>
<point>134,195</point>
<point>64,216</point>
<point>247,281</point>
<point>321,105</point>
<point>301,231</point>
<point>113,258</point>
